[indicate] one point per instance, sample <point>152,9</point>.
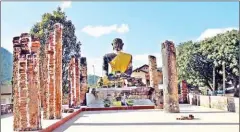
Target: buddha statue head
<point>117,44</point>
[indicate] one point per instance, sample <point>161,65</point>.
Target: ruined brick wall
<point>26,83</point>
<point>74,80</point>
<point>171,103</point>
<point>53,93</point>
<point>83,78</point>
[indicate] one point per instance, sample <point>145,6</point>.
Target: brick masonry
<point>26,83</point>
<point>83,78</point>
<point>53,90</point>
<point>153,76</point>
<point>74,80</point>
<point>171,103</point>
<point>184,92</point>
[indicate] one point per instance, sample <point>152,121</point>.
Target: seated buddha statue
<point>120,62</point>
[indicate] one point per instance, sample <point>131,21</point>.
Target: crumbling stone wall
<point>153,76</point>
<point>26,83</point>
<point>74,80</point>
<point>171,103</point>
<point>53,93</point>
<point>83,78</point>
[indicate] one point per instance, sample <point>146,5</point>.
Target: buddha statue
<point>120,62</point>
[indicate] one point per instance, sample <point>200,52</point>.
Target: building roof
<point>140,68</point>
<point>6,89</point>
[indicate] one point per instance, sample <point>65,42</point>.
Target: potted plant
<point>107,103</point>
<point>130,102</point>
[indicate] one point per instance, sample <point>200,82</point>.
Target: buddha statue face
<point>117,44</point>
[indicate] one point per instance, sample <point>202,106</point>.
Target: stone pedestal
<point>26,83</point>
<point>171,103</point>
<point>83,78</point>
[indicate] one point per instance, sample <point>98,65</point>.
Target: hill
<point>5,65</point>
<point>92,80</point>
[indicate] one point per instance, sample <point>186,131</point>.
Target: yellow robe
<point>120,62</point>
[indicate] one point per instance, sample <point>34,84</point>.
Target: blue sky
<point>143,26</point>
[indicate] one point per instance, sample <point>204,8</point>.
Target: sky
<point>143,26</point>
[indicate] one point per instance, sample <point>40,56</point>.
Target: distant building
<point>6,94</point>
<point>143,73</point>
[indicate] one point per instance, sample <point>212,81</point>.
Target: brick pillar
<point>184,91</point>
<point>153,76</point>
<point>50,94</point>
<point>45,83</point>
<point>171,103</point>
<point>53,96</point>
<point>72,80</point>
<point>16,55</point>
<point>77,72</point>
<point>58,68</point>
<point>83,78</point>
<point>26,83</point>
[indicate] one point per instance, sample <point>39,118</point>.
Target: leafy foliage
<point>70,44</point>
<point>195,61</point>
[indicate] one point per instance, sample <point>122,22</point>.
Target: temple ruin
<point>171,102</point>
<point>74,82</point>
<point>53,90</point>
<point>83,78</point>
<point>26,86</point>
<point>153,75</point>
<point>184,91</point>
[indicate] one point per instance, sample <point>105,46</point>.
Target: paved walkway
<point>7,122</point>
<point>208,120</point>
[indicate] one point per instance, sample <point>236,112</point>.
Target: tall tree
<point>70,44</point>
<point>195,60</point>
<point>224,48</point>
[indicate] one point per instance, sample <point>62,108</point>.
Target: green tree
<point>224,48</point>
<point>195,61</point>
<point>70,44</point>
<point>192,66</point>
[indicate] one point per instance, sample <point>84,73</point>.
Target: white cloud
<point>97,31</point>
<point>138,60</point>
<point>213,32</point>
<point>66,4</point>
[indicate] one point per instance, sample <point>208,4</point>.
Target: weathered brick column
<point>50,94</point>
<point>77,72</point>
<point>83,78</point>
<point>184,91</point>
<point>74,80</point>
<point>44,82</point>
<point>26,83</point>
<point>53,93</point>
<point>171,103</point>
<point>58,68</point>
<point>153,76</point>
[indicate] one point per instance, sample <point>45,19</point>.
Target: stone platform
<point>207,120</point>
